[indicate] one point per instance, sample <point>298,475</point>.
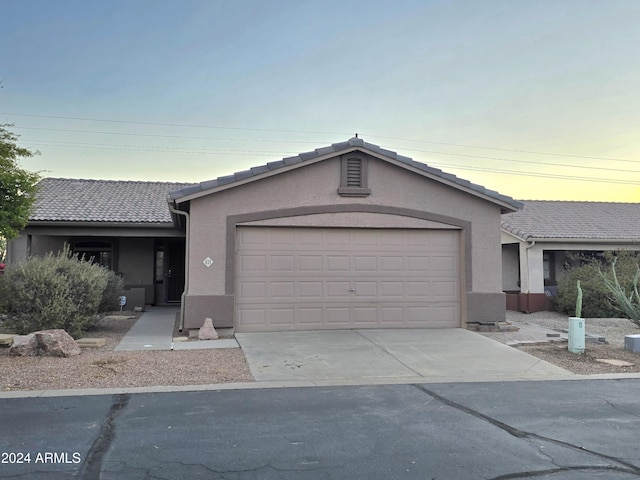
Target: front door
<point>169,270</point>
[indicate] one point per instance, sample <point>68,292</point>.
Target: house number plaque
<point>207,262</point>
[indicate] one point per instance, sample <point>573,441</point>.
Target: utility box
<point>632,343</point>
<point>576,335</point>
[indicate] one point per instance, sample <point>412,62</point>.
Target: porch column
<point>531,268</point>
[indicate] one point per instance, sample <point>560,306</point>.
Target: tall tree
<point>17,186</point>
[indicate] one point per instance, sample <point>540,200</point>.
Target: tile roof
<point>338,148</point>
<point>74,200</point>
<point>575,220</point>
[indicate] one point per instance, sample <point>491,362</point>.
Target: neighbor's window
<point>548,268</point>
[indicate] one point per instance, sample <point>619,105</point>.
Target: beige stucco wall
<point>316,185</point>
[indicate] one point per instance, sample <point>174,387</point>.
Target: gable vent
<point>353,179</point>
<point>354,172</point>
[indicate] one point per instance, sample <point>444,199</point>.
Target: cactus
<point>579,302</point>
<point>628,303</point>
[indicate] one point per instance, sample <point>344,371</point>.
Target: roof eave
<point>192,196</point>
<point>506,206</point>
<point>530,238</point>
<point>97,224</point>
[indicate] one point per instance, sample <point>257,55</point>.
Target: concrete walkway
<point>154,331</point>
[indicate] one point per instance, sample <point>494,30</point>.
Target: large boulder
<point>45,343</point>
<point>207,332</point>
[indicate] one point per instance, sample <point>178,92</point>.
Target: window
<point>353,182</point>
<point>99,252</point>
<point>548,268</point>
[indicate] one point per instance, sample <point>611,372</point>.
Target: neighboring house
<point>537,243</point>
<point>346,236</point>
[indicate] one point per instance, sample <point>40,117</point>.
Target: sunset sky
<point>535,99</point>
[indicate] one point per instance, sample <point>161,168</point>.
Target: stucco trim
<point>234,220</point>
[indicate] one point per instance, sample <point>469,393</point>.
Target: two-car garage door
<point>341,278</point>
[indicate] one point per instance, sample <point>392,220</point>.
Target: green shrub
<point>112,292</point>
<point>56,291</point>
<point>597,300</point>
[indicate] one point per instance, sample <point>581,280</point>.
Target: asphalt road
<point>551,430</point>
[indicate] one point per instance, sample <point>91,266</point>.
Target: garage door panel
<point>310,290</point>
<point>253,263</point>
<point>391,289</point>
<point>283,290</point>
<point>444,290</point>
<point>365,289</point>
<point>253,290</point>
<point>335,238</point>
<point>417,289</point>
<point>310,317</point>
<point>391,316</point>
<point>337,315</point>
<point>392,264</point>
<point>364,316</point>
<point>279,317</point>
<point>282,263</point>
<point>441,314</point>
<point>417,314</point>
<point>251,317</point>
<point>443,263</point>
<point>310,263</point>
<point>338,263</point>
<point>337,289</point>
<point>392,238</point>
<point>365,264</point>
<point>314,278</point>
<point>418,264</point>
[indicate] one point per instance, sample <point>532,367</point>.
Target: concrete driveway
<point>388,356</point>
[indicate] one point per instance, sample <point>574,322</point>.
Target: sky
<point>534,99</point>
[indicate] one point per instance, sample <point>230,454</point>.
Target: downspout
<point>186,261</point>
<point>530,244</point>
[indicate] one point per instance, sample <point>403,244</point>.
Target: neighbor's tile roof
<point>338,148</point>
<point>575,220</point>
<point>73,200</point>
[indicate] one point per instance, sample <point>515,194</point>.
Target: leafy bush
<point>597,299</point>
<point>56,291</point>
<point>112,292</point>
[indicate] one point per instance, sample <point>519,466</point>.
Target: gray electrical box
<point>632,343</point>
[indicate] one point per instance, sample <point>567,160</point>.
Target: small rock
<point>45,343</point>
<point>207,332</point>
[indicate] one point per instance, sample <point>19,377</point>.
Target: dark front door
<point>175,270</point>
<point>169,270</point>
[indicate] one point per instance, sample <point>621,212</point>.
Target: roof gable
<point>102,201</point>
<point>354,144</point>
<point>574,220</point>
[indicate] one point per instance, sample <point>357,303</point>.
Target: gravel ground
<point>104,368</point>
<point>612,329</point>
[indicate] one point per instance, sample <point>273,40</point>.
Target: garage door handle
<point>352,289</point>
